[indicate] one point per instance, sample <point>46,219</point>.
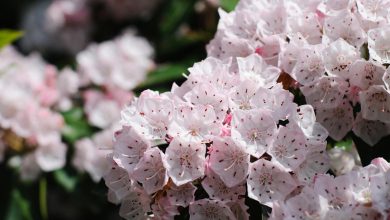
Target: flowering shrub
<point>229,127</point>
<point>231,132</point>
<point>274,123</point>
<point>334,50</point>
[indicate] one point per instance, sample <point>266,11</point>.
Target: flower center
<point>265,178</point>
<point>339,113</point>
<point>314,64</point>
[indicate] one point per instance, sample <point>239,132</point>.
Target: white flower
<point>289,148</point>
<point>346,26</point>
<point>369,131</point>
<point>379,44</point>
<point>184,161</point>
<point>373,10</point>
<point>326,92</point>
<point>150,171</point>
<point>129,148</point>
<point>309,65</point>
<point>90,154</point>
<point>375,103</point>
<point>256,129</point>
<point>229,160</point>
<point>51,156</point>
<point>338,121</point>
<point>113,63</point>
<point>338,57</point>
<point>217,189</point>
<point>195,123</point>
<point>210,209</point>
<point>268,182</point>
<point>182,195</point>
<point>364,74</point>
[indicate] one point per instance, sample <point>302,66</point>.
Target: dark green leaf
<point>176,44</point>
<point>65,180</point>
<point>174,15</point>
<point>164,74</point>
<point>228,5</point>
<point>76,125</point>
<point>74,114</point>
<point>76,130</point>
<point>8,36</point>
<point>19,207</point>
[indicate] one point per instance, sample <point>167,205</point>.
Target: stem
<point>43,198</point>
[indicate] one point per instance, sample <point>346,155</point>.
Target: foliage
<point>9,36</point>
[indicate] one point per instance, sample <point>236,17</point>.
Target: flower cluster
<point>30,119</point>
<point>359,194</point>
<point>336,52</point>
<point>28,123</point>
<point>120,63</point>
<point>229,129</point>
<point>113,68</point>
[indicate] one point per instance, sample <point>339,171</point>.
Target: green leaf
<point>228,5</point>
<point>345,144</point>
<point>175,13</point>
<point>8,36</point>
<point>65,180</point>
<point>74,114</point>
<point>19,207</point>
<point>76,126</point>
<point>76,131</point>
<point>164,74</point>
<point>176,44</point>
